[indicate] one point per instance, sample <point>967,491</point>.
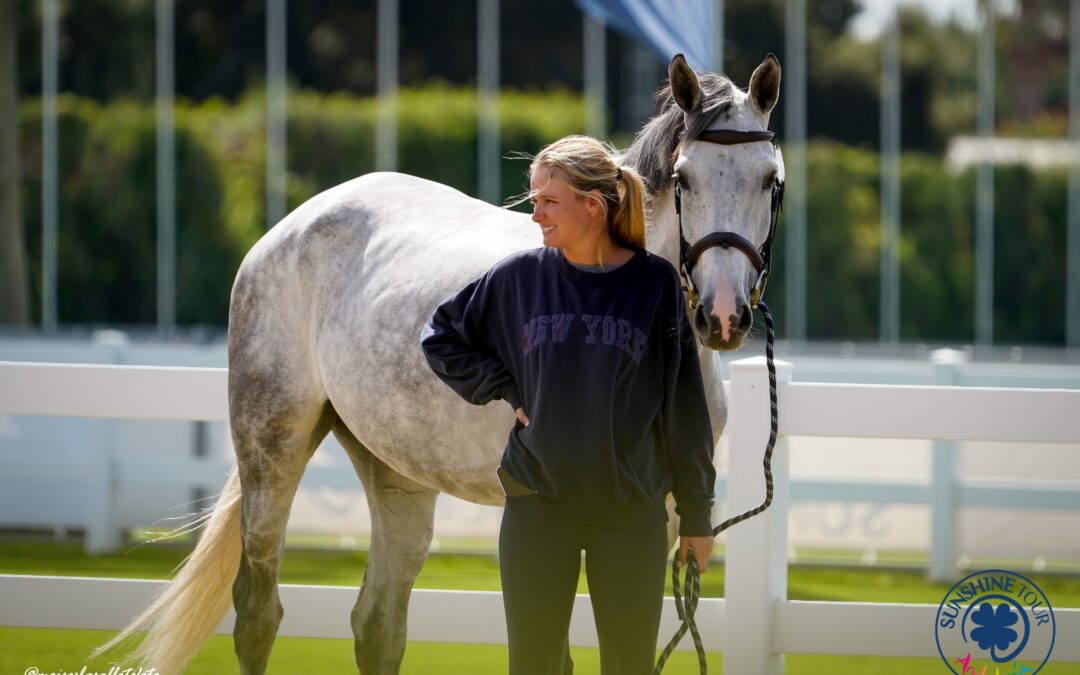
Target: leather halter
<point>760,258</point>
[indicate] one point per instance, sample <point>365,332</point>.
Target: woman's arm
<point>687,429</point>
<point>457,348</point>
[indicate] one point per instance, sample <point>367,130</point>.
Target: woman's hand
<point>702,550</point>
<point>522,417</point>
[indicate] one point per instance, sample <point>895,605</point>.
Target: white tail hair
<point>191,606</point>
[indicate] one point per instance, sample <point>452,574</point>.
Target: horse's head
<point>726,183</point>
<point>727,177</point>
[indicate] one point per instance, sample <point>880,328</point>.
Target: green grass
<point>67,649</point>
<point>56,650</point>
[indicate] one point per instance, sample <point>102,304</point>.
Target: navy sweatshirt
<point>605,366</point>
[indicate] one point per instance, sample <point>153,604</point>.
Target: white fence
<point>768,624</point>
<point>105,475</point>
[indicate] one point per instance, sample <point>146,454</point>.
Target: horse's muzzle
<point>713,332</point>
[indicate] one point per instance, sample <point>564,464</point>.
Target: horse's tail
<point>191,606</point>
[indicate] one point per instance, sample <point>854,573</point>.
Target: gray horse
<point>324,330</point>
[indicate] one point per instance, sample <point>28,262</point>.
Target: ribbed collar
<point>612,277</point>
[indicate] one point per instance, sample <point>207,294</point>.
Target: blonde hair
<point>587,164</point>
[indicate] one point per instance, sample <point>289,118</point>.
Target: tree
<point>14,292</point>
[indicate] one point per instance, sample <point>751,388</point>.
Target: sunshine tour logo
<point>995,622</point>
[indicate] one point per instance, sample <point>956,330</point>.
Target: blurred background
<point>87,162</point>
<point>933,202</point>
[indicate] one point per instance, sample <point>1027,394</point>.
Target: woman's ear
<point>592,203</point>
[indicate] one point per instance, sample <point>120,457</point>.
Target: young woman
<point>587,339</point>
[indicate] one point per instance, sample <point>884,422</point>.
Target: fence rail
<point>768,625</point>
<point>851,628</point>
<point>915,411</point>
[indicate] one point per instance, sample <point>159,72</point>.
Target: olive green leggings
<point>540,547</point>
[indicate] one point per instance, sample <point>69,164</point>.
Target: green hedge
<point>107,212</point>
<point>107,237</point>
<point>107,183</point>
<point>937,242</point>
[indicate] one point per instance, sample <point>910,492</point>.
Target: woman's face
<point>566,219</point>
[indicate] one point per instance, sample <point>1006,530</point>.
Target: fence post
<point>102,534</point>
<point>755,573</point>
<point>943,512</point>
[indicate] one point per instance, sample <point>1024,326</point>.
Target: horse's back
<point>432,229</point>
<point>398,240</point>
<point>384,220</point>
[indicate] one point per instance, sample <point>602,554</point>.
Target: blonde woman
<point>587,339</point>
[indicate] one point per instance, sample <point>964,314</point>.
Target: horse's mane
<point>652,153</point>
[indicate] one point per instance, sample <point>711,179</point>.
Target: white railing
<point>92,478</point>
<point>768,624</point>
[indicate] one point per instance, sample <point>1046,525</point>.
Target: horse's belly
<point>382,388</point>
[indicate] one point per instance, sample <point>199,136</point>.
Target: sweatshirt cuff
<point>510,395</point>
<point>695,521</point>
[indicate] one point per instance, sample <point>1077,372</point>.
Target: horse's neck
<point>662,238</point>
<point>712,377</point>
<point>662,228</point>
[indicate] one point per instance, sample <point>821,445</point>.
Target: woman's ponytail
<point>627,220</point>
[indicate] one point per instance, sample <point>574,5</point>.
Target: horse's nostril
<point>701,319</point>
<point>746,318</point>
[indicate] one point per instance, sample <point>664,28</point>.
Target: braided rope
<point>686,602</point>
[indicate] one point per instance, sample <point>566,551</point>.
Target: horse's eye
<point>770,182</point>
<point>680,178</point>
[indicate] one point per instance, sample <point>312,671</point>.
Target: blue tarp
<point>670,27</point>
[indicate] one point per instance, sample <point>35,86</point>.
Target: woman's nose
<point>536,215</point>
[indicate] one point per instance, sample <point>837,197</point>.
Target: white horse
<point>324,331</point>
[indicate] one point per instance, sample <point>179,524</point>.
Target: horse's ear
<point>684,84</point>
<point>765,85</point>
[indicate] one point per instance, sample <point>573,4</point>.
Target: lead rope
<point>686,602</point>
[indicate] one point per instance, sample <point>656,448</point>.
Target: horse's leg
<point>273,444</point>
<point>402,521</point>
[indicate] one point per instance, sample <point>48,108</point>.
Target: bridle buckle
<point>758,290</point>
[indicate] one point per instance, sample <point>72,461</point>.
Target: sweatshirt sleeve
<point>456,343</point>
<point>687,428</point>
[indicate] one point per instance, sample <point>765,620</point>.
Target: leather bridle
<point>760,258</point>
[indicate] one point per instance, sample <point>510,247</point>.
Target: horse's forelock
<point>652,153</point>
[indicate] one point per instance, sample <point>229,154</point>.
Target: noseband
<point>760,258</point>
